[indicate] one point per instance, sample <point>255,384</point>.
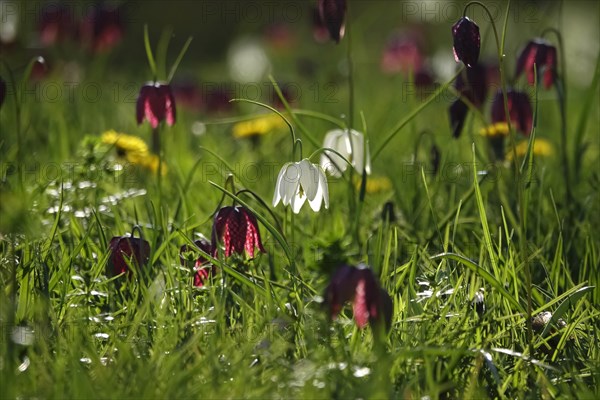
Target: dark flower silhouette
<point>2,91</point>
<point>370,303</point>
<point>466,41</point>
<point>471,85</point>
<point>126,250</point>
<point>543,55</point>
<point>202,265</point>
<point>156,103</point>
<point>519,109</point>
<point>333,15</point>
<point>237,229</point>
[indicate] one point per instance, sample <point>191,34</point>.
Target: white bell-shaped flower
<point>351,145</point>
<point>301,181</point>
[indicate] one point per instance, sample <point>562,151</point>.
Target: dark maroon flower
<point>237,229</point>
<point>55,24</point>
<point>103,28</point>
<point>187,94</point>
<point>370,303</point>
<point>543,55</point>
<point>217,100</point>
<point>202,266</point>
<point>333,14</point>
<point>458,113</point>
<point>466,41</point>
<point>125,250</point>
<point>2,91</point>
<point>156,104</point>
<point>519,108</point>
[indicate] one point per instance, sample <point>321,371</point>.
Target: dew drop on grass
<point>101,335</point>
<point>24,365</point>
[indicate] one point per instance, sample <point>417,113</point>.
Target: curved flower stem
<point>561,91</point>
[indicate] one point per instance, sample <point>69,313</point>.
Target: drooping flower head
<point>156,103</point>
<point>458,113</point>
<point>333,15</point>
<point>351,145</point>
<point>125,251</point>
<point>543,55</point>
<point>301,181</point>
<point>370,303</point>
<point>467,41</point>
<point>237,229</point>
<point>202,267</point>
<point>519,109</point>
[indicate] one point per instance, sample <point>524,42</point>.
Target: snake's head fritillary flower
<point>237,229</point>
<point>467,41</point>
<point>351,145</point>
<point>156,103</point>
<point>301,181</point>
<point>542,54</point>
<point>126,251</point>
<point>333,15</point>
<point>55,24</point>
<point>202,267</point>
<point>370,303</point>
<point>519,109</point>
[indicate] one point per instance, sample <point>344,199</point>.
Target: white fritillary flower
<point>301,181</point>
<point>351,145</point>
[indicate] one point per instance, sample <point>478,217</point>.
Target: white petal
<point>309,178</point>
<point>277,194</point>
<point>290,181</point>
<point>298,201</point>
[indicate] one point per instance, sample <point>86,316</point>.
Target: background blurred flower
<point>299,181</point>
<point>402,54</point>
<point>103,28</point>
<point>124,251</point>
<point>351,145</point>
<point>134,150</point>
<point>541,147</point>
<point>258,126</point>
<point>374,184</point>
<point>237,228</point>
<point>156,103</point>
<point>56,23</point>
<point>466,41</point>
<point>543,55</point>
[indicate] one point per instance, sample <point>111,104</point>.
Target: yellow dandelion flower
<point>374,184</point>
<point>124,143</point>
<point>134,150</point>
<point>495,130</point>
<point>541,147</point>
<point>258,126</point>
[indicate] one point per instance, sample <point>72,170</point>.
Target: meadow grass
<point>258,328</point>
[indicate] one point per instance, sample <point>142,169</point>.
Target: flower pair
<point>370,303</point>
